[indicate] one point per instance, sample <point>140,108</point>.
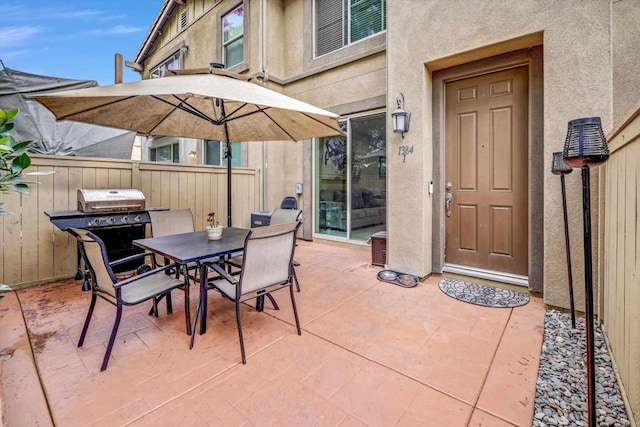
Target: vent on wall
<point>184,20</point>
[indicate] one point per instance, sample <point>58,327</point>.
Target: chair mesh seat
<point>148,287</point>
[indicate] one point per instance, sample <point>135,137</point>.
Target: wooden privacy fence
<point>620,254</point>
<point>34,251</point>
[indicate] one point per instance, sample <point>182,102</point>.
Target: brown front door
<point>486,166</point>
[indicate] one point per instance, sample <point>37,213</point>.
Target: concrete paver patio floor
<point>370,353</point>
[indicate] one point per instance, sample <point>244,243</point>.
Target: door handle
<point>447,202</point>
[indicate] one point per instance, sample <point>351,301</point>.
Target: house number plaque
<point>403,150</point>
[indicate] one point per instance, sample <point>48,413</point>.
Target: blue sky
<point>75,39</point>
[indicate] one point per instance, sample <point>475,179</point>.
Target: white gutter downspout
<point>265,78</point>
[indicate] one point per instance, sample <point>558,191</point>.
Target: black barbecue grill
<point>118,217</point>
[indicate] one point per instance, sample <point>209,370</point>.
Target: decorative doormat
<point>487,296</point>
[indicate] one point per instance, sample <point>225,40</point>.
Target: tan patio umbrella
<point>205,104</point>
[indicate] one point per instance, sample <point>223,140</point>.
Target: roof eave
<point>155,30</point>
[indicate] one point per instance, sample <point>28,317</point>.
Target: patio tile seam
<point>206,380</point>
<point>488,371</point>
<point>325,312</point>
<point>181,394</point>
<point>33,357</point>
<point>409,377</point>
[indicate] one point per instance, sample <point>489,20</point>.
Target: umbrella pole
<point>229,156</point>
<point>228,180</point>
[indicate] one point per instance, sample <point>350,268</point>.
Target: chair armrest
<point>226,276</point>
<point>137,277</point>
<point>130,258</point>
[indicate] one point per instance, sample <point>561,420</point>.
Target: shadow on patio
<point>370,353</point>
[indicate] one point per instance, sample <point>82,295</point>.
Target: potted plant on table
<point>214,230</point>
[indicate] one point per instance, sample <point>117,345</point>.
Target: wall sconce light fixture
<point>584,147</point>
<point>193,156</point>
<point>184,49</point>
<point>400,116</point>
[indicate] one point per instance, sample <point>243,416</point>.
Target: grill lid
<point>100,200</point>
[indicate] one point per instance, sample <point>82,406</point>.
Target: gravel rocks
<point>561,388</point>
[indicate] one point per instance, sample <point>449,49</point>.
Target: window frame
<point>234,39</point>
<point>175,153</point>
<point>345,28</point>
<point>346,122</point>
<point>238,150</point>
<point>163,67</point>
<point>246,34</point>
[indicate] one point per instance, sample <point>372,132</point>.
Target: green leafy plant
<point>13,159</point>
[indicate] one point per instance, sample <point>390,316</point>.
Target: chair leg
<point>195,323</point>
<point>295,278</point>
<point>153,311</point>
<point>273,301</point>
<point>169,305</point>
<point>187,309</point>
<point>94,297</point>
<point>112,339</point>
<point>239,320</point>
<point>295,310</point>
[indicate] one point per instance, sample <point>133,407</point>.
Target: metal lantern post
<point>559,167</point>
<point>584,147</point>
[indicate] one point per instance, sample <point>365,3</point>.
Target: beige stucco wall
<point>576,40</point>
<point>577,66</point>
<point>275,159</point>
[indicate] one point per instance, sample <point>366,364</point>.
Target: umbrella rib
<point>226,116</point>
<point>277,124</point>
<point>181,106</point>
<point>74,113</point>
<point>229,118</point>
<point>191,109</point>
<point>319,121</point>
<point>259,110</point>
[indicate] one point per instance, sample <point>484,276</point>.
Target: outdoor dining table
<point>187,248</point>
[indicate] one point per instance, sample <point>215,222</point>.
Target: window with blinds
<point>232,37</point>
<point>341,22</point>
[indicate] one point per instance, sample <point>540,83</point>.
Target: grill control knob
<point>137,218</point>
<point>125,219</point>
<point>95,222</point>
<point>111,220</point>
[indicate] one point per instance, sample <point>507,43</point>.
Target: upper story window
<point>172,63</point>
<point>342,22</point>
<point>232,37</point>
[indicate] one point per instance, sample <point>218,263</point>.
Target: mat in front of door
<point>484,295</point>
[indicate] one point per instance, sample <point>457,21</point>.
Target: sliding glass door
<point>350,180</point>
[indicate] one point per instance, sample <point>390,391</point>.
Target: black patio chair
<point>289,202</point>
<point>164,223</point>
<point>105,285</point>
<point>266,268</point>
<point>278,216</point>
